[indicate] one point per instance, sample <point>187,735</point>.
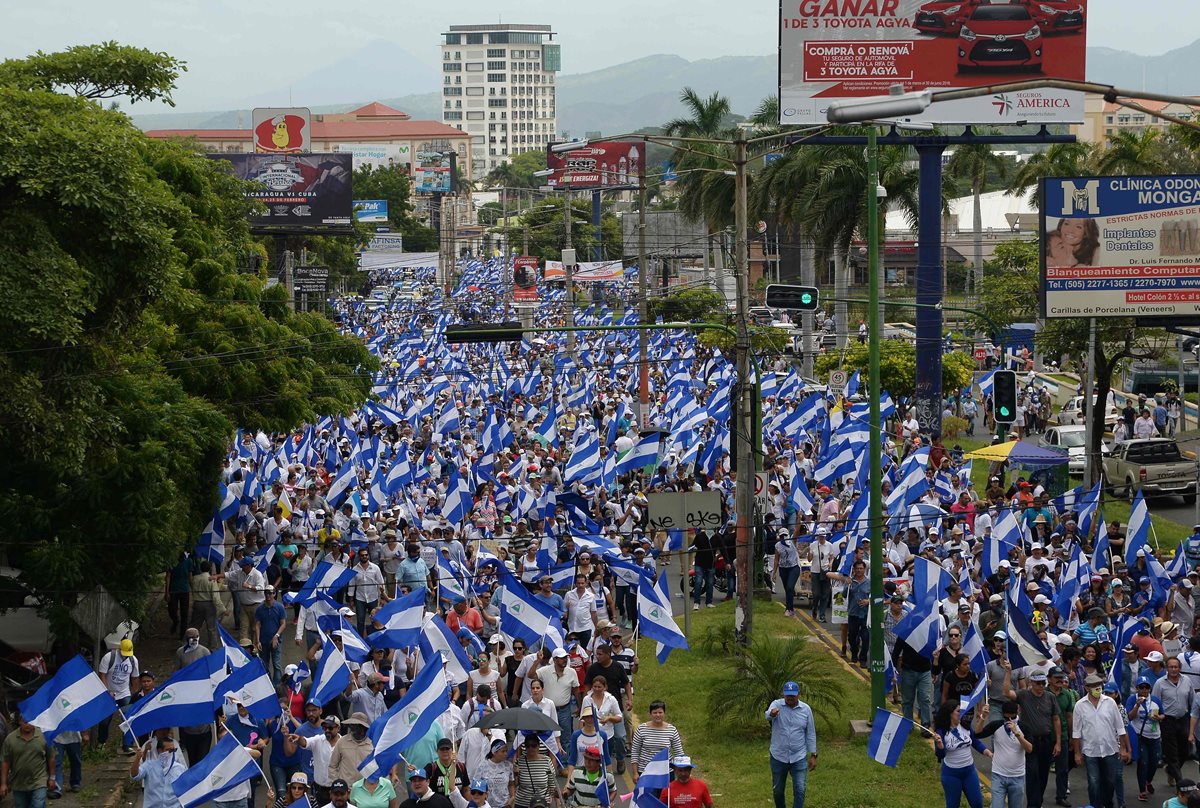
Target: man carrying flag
<point>158,765</point>
<point>591,784</point>
<point>687,791</point>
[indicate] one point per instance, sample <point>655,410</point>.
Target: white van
<point>1072,412</point>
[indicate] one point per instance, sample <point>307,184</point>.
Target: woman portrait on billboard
<point>1074,242</point>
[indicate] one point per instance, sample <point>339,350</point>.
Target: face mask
<point>1095,692</point>
<point>358,732</point>
<point>192,642</point>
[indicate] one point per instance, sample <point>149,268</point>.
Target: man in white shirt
<point>822,556</point>
<point>321,747</point>
<point>367,588</point>
<point>1099,739</point>
<point>581,610</point>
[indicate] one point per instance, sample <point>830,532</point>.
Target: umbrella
<point>1020,454</point>
<point>519,718</point>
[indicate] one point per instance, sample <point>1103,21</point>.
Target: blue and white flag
<point>332,676</point>
<point>341,485</point>
<point>977,693</point>
<point>72,700</point>
<point>436,638</point>
<point>251,686</point>
<point>888,734</point>
<point>234,653</point>
<point>921,629</point>
<point>401,619</point>
<point>929,580</point>
<point>657,774</point>
<point>1137,530</point>
<point>643,453</point>
<point>654,616</point>
<point>524,617</point>
<point>226,765</point>
<point>184,700</point>
<point>408,719</point>
<point>1024,646</point>
<point>327,578</point>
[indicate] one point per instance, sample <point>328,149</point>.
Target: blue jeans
<point>1149,754</point>
<point>73,754</point>
<point>242,803</point>
<point>703,584</point>
<point>959,783</point>
<point>280,776</point>
<point>788,576</point>
<point>35,798</point>
<point>566,717</point>
<point>916,686</point>
<point>362,613</point>
<point>272,660</point>
<point>102,730</point>
<point>860,639</point>
<point>1008,791</point>
<point>1102,780</point>
<point>779,773</point>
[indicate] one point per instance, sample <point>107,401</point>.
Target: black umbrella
<point>519,718</point>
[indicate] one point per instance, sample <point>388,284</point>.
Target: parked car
<point>1070,437</point>
<point>1000,37</point>
<point>1072,412</point>
<point>1154,466</point>
<point>21,626</point>
<point>1057,16</point>
<point>943,17</point>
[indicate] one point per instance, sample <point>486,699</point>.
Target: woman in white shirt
<point>538,701</point>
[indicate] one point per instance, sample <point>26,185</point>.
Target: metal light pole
<point>743,491</point>
<point>504,272</point>
<point>643,308</point>
<point>874,446</point>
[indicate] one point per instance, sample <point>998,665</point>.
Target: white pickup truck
<point>1154,466</point>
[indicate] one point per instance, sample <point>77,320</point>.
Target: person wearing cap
<point>793,748</point>
<point>686,791</point>
<point>297,789</point>
<point>560,684</point>
<point>368,698</point>
<point>246,585</point>
<point>1180,608</point>
<point>118,670</point>
<point>1039,713</point>
<point>1012,753</point>
<point>339,794</point>
<point>1145,715</point>
<point>423,795</point>
<point>351,749</point>
<point>1066,697</point>
<point>270,619</point>
<point>446,773</point>
<point>1099,740</point>
<point>582,781</point>
<point>1177,697</point>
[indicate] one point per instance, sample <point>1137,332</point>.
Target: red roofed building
<point>375,133</point>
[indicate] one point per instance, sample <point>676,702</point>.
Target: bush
<point>758,675</point>
<point>953,426</point>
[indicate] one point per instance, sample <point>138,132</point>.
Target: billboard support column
<point>929,288</point>
<point>643,309</point>
<point>288,284</point>
<point>598,250</point>
<point>1089,457</point>
<point>505,277</point>
<point>569,267</point>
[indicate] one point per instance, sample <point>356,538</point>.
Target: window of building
<point>497,102</point>
<point>474,116</point>
<point>453,39</point>
<point>452,67</point>
<point>458,79</point>
<point>452,91</point>
<point>474,39</point>
<point>495,78</point>
<point>496,65</point>
<point>495,53</point>
<point>453,116</point>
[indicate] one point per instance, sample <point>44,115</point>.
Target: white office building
<point>498,87</point>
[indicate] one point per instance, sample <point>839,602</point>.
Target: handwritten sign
<point>693,510</point>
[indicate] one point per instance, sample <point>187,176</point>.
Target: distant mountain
<point>624,97</point>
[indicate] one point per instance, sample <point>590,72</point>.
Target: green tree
<point>1011,284</point>
<point>547,231</point>
<point>1132,153</point>
<point>976,163</point>
<point>897,366</point>
<point>134,347</point>
<point>1058,160</point>
<point>393,184</point>
<point>690,305</point>
<point>518,172</point>
<point>107,70</point>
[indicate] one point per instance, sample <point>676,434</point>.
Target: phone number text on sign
<point>824,61</point>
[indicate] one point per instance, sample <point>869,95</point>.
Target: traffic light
<point>794,298</point>
<point>1004,396</point>
<point>510,331</point>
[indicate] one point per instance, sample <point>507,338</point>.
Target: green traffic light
<point>806,299</point>
<point>1004,410</point>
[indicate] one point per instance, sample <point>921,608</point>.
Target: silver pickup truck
<point>1154,466</point>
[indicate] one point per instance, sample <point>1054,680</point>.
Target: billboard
<point>281,130</point>
<point>599,165</point>
<point>378,155</point>
<point>837,49</point>
<point>432,173</point>
<point>554,271</point>
<point>525,279</point>
<point>371,210</point>
<point>304,191</point>
<point>589,271</point>
<point>1120,246</point>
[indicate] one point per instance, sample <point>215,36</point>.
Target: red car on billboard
<point>1000,37</point>
<point>943,17</point>
<point>1057,16</point>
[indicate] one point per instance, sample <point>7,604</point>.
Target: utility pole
<point>1090,460</point>
<point>569,266</point>
<point>743,489</point>
<point>289,260</point>
<point>505,276</point>
<point>525,227</point>
<point>643,309</point>
<point>874,448</point>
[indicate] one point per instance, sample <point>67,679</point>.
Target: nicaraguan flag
<point>654,615</point>
<point>524,617</point>
<point>408,719</point>
<point>184,700</point>
<point>72,700</point>
<point>921,629</point>
<point>1137,530</point>
<point>226,765</point>
<point>929,580</point>
<point>340,487</point>
<point>657,774</point>
<point>332,676</point>
<point>436,638</point>
<point>1024,646</point>
<point>965,703</point>
<point>401,619</point>
<point>643,453</point>
<point>327,578</point>
<point>251,685</point>
<point>888,734</point>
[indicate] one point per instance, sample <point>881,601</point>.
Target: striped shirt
<point>585,786</point>
<point>648,741</point>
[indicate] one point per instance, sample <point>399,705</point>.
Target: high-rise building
<point>498,87</point>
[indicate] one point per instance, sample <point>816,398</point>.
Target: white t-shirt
<point>121,670</point>
<point>580,609</point>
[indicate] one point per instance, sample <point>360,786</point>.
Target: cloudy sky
<point>236,50</point>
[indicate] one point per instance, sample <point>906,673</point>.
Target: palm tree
<point>701,173</point>
<point>975,163</point>
<point>1132,153</point>
<point>1060,160</point>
